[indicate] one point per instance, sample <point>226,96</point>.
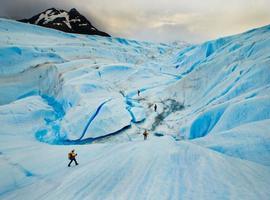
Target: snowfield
<point>209,138</point>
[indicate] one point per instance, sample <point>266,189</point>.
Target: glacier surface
<point>209,137</point>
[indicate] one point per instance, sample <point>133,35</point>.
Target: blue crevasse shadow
<point>52,123</point>
<point>206,122</point>
<point>90,140</point>
<point>57,107</point>
<point>92,118</point>
<point>28,94</point>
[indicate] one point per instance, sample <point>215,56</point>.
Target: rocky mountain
<point>71,22</point>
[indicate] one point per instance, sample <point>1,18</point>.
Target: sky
<point>192,21</point>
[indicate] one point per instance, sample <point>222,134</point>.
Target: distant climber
<point>139,92</point>
<point>145,134</point>
<point>155,107</point>
<point>122,93</point>
<point>71,157</point>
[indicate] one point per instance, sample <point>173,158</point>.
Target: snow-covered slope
<point>60,91</point>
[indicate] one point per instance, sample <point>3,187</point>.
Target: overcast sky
<point>156,20</point>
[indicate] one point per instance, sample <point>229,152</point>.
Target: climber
<point>71,157</point>
<point>155,107</point>
<point>139,93</point>
<point>145,134</point>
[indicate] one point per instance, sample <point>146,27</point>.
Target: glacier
<point>209,137</point>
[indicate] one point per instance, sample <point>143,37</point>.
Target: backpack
<point>69,156</point>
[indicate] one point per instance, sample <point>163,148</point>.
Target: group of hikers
<point>72,155</point>
<point>145,133</point>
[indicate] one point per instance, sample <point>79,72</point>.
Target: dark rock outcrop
<point>71,22</point>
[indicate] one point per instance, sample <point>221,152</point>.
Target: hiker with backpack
<point>145,134</point>
<point>72,157</point>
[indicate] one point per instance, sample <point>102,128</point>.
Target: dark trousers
<point>71,160</point>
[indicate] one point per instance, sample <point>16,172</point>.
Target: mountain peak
<point>71,22</point>
<point>74,10</point>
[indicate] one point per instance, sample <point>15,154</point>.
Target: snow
<point>137,114</point>
<point>61,91</point>
<point>19,59</point>
<point>75,20</point>
<point>85,25</point>
<point>49,16</point>
<point>248,142</point>
<point>28,114</point>
<point>160,168</point>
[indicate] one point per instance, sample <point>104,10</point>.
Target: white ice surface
<point>61,91</point>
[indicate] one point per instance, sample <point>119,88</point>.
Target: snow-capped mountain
<point>71,22</point>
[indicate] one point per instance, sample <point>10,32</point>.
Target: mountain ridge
<point>67,21</point>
